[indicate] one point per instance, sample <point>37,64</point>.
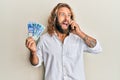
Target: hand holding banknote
<point>34,32</point>
<point>31,44</point>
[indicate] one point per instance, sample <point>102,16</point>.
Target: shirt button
<point>65,77</point>
<point>65,74</point>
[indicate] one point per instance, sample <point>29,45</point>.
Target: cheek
<point>60,20</point>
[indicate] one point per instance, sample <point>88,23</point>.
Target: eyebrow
<point>63,12</point>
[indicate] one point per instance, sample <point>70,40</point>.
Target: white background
<point>98,18</point>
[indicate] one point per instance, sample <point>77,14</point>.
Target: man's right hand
<point>31,44</point>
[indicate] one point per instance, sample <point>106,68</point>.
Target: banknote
<point>35,30</point>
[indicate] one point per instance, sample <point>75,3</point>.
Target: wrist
<point>33,52</point>
<point>81,34</point>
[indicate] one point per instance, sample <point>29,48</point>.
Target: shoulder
<point>44,36</point>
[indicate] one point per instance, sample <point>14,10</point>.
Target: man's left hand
<point>75,28</point>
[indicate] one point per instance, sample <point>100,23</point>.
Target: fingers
<point>73,25</point>
<point>29,42</point>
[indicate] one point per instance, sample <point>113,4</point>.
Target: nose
<point>67,18</point>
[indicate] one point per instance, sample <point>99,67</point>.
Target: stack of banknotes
<point>35,30</point>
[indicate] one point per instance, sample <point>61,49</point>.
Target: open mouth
<point>65,23</point>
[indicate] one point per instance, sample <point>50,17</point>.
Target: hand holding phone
<point>74,27</point>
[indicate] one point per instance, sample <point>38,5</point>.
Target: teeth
<point>65,24</point>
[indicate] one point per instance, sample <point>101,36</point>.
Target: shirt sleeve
<point>95,50</point>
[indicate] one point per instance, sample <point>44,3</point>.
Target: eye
<point>69,15</point>
<point>62,14</point>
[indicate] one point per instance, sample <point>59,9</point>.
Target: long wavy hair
<point>53,15</point>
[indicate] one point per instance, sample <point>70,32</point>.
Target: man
<point>61,48</point>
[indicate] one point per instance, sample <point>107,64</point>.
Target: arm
<point>34,59</point>
<point>31,45</point>
<point>91,42</point>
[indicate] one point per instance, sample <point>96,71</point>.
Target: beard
<point>59,28</point>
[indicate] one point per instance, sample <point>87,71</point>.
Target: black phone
<point>69,28</point>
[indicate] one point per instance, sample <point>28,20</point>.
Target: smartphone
<point>70,28</point>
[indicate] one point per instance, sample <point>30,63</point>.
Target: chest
<point>55,48</point>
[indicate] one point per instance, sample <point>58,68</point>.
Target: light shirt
<point>63,61</point>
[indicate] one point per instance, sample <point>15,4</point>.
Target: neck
<point>61,36</point>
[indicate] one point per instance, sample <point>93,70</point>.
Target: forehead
<point>64,9</point>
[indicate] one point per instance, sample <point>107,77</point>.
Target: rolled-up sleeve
<point>95,50</point>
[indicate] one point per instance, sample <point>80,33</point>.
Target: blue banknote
<point>35,30</point>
